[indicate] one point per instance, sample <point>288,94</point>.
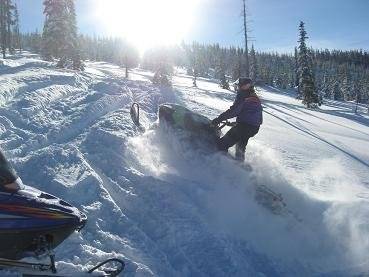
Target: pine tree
<point>10,22</point>
<point>237,65</point>
<point>60,38</point>
<point>306,80</point>
<point>6,22</point>
<point>163,75</point>
<point>3,28</point>
<point>193,53</point>
<point>345,89</point>
<point>296,57</point>
<point>358,92</point>
<point>336,91</point>
<point>195,75</point>
<point>17,37</point>
<point>73,47</point>
<point>219,59</point>
<point>163,69</point>
<point>224,84</point>
<point>220,72</point>
<point>325,87</point>
<point>254,69</point>
<point>126,64</point>
<point>32,41</point>
<point>52,34</point>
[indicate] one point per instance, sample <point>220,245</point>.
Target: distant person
<point>249,112</point>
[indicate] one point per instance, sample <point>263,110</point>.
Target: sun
<point>147,23</point>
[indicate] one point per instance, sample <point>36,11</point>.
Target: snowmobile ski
<point>28,269</point>
<point>270,199</point>
<point>109,272</point>
<point>273,201</point>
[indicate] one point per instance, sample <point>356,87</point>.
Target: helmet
<point>244,81</point>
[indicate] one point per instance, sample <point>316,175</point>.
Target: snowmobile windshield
<point>181,117</point>
<point>198,127</point>
<point>7,173</point>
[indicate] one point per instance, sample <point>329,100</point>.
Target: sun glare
<point>147,23</point>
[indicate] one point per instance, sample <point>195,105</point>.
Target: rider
<point>248,110</point>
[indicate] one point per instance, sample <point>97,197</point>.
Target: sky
<point>273,24</point>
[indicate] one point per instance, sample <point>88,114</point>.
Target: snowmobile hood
<point>18,201</point>
<point>40,208</point>
<point>31,219</point>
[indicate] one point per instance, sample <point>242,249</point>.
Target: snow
<point>168,209</point>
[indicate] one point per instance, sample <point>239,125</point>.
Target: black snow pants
<point>238,135</point>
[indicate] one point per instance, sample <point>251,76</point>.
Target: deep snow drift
<point>170,210</point>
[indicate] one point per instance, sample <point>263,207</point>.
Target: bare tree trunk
<point>3,28</point>
<point>194,81</point>
<point>126,62</point>
<point>9,35</point>
<point>247,63</point>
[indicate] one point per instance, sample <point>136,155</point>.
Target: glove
<point>215,121</point>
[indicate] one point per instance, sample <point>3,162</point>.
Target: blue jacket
<point>247,109</point>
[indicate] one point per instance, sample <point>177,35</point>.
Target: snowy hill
<point>169,210</point>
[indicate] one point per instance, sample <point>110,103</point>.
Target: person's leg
<point>246,133</point>
<point>241,149</point>
<point>230,138</point>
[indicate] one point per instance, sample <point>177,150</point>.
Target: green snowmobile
<point>197,127</point>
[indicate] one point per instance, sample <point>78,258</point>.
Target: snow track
<point>166,208</point>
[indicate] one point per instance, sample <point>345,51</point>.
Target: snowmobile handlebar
<point>226,123</point>
<point>135,116</point>
<point>135,113</point>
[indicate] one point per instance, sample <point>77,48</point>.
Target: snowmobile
<point>197,127</point>
<point>201,131</point>
<point>33,223</point>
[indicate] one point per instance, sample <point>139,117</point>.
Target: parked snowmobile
<point>32,222</point>
<point>201,131</point>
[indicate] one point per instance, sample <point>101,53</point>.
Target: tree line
<point>314,74</point>
<point>94,48</point>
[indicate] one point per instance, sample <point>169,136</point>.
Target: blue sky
<point>338,24</point>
